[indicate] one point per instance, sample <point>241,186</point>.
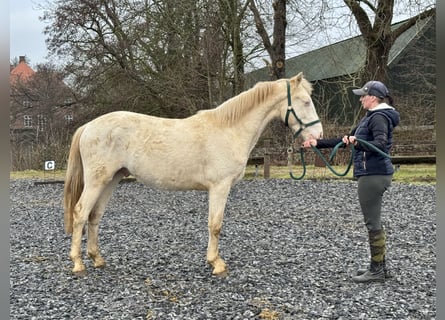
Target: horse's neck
<point>252,129</point>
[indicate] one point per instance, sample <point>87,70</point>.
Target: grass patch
<point>38,174</point>
<point>413,173</point>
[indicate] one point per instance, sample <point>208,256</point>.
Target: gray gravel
<point>290,247</point>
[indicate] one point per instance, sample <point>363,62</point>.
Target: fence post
<point>266,159</point>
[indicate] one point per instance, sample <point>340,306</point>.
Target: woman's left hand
<point>310,143</point>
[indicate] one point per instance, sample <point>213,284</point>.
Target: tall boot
<point>376,270</point>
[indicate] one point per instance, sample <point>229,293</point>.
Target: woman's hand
<point>310,143</point>
<point>349,139</point>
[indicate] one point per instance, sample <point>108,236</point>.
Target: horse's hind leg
<point>93,223</point>
<point>82,210</point>
<point>217,202</point>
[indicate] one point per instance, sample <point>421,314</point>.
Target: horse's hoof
<point>79,269</point>
<point>220,270</point>
<point>81,273</point>
<point>99,263</point>
<point>222,274</point>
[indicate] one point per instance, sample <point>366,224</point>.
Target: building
<point>42,115</point>
<point>40,102</point>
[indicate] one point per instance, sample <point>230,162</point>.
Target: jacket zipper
<point>364,160</point>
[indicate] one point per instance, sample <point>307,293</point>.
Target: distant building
<point>40,103</point>
<point>22,73</point>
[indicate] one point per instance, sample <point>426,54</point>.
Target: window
<point>68,119</point>
<point>27,103</point>
<point>68,101</point>
<point>27,121</point>
<point>41,122</point>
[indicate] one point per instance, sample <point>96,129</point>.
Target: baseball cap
<point>372,88</point>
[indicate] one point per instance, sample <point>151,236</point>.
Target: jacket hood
<point>389,111</point>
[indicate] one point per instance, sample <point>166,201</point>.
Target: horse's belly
<point>171,182</point>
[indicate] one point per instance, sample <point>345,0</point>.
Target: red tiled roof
<point>22,72</point>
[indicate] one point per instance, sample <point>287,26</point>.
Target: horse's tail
<point>73,181</point>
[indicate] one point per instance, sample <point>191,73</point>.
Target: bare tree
<point>374,22</point>
<point>145,56</point>
<point>232,13</point>
<point>277,47</point>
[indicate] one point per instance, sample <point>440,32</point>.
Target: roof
<point>341,58</point>
<point>22,72</point>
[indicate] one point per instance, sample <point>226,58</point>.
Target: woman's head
<point>373,93</point>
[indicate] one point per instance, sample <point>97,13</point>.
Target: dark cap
<point>372,88</point>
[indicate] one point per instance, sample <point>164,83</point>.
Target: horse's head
<point>299,112</point>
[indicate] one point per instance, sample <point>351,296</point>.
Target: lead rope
<point>331,157</point>
<point>290,152</point>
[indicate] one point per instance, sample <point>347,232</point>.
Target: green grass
<point>36,174</point>
<point>415,173</point>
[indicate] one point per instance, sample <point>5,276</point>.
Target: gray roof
<point>341,58</point>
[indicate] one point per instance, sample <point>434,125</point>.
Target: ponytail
<point>390,100</point>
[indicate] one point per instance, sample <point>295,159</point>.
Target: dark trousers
<point>370,195</point>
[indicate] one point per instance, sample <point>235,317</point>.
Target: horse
<point>206,151</point>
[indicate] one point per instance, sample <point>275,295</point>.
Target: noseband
<point>291,110</point>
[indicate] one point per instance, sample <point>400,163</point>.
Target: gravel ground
<point>290,247</point>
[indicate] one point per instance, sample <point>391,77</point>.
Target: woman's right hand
<point>349,139</point>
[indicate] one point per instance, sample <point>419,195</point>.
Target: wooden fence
<point>411,145</point>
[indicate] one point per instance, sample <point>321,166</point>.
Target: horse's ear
<point>297,79</point>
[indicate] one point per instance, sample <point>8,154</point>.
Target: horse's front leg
<point>217,202</point>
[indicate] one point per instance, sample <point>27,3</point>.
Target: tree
<point>374,22</point>
<point>145,56</point>
<point>276,48</point>
<point>232,14</point>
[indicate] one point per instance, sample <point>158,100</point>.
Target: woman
<point>373,170</point>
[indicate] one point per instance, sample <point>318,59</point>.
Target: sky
<point>26,31</point>
<point>26,36</point>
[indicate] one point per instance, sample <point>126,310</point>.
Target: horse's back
<point>165,153</point>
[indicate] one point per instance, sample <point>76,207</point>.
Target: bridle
<point>291,110</point>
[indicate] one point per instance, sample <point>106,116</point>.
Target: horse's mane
<point>236,107</point>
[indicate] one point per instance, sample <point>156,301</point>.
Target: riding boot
<point>376,270</point>
<point>385,269</point>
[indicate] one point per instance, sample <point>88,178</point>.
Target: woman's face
<point>368,102</point>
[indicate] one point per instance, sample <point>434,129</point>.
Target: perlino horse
<point>207,151</point>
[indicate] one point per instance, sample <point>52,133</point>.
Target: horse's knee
<point>215,228</point>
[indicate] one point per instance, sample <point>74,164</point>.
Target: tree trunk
<point>276,50</point>
<point>279,40</point>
